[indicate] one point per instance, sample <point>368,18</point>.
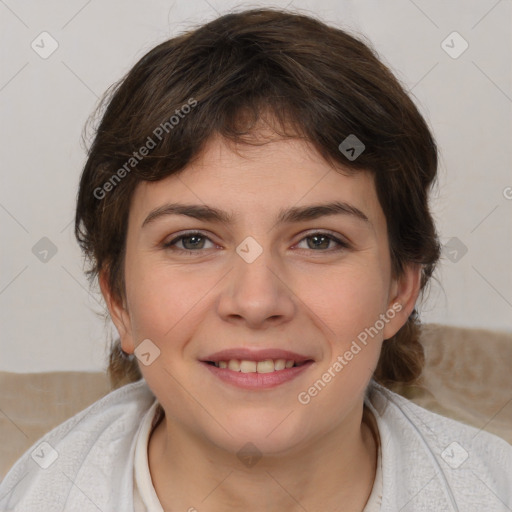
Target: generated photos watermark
<point>150,144</point>
<point>304,397</point>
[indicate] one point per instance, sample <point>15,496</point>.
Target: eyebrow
<point>294,214</point>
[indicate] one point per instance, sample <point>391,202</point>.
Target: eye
<point>191,242</point>
<point>321,240</point>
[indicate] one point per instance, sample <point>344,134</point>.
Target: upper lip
<point>256,355</point>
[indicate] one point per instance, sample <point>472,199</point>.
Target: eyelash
<point>167,245</point>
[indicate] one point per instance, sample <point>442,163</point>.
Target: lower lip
<point>256,380</point>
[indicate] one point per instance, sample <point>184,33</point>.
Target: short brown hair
<point>319,80</point>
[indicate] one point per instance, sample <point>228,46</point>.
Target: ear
<point>119,314</point>
<point>404,292</point>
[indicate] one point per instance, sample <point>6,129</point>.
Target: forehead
<point>261,179</point>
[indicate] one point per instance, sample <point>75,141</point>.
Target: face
<point>265,278</point>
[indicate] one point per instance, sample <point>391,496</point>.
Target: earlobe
<point>404,293</point>
<point>119,315</point>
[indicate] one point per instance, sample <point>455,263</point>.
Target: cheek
<point>153,299</point>
<point>348,300</point>
<point>350,306</point>
<point>164,301</point>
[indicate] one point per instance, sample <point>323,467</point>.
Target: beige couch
<point>468,376</point>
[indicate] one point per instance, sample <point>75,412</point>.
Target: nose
<point>258,294</point>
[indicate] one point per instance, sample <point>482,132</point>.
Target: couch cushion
<point>32,404</point>
<point>467,377</point>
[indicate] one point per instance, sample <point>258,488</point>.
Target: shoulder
<point>78,461</point>
<point>445,463</point>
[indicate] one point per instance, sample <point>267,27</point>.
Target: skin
<point>295,296</point>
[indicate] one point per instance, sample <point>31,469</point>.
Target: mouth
<point>249,366</point>
<point>256,369</point>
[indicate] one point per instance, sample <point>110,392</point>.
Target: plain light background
<point>49,318</point>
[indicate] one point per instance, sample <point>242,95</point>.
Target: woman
<point>255,207</point>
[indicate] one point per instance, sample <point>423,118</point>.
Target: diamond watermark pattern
<point>44,45</point>
<point>454,250</point>
<point>44,250</point>
<point>249,249</point>
<point>351,147</point>
<point>146,352</point>
<point>44,455</point>
<point>454,455</point>
<point>249,455</point>
<point>454,45</point>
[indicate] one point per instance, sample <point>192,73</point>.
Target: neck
<point>337,468</point>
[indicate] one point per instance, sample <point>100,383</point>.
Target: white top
<point>428,462</point>
<point>145,498</point>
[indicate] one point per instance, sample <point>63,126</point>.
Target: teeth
<point>266,366</point>
<point>234,365</point>
<point>279,364</point>
<point>246,366</point>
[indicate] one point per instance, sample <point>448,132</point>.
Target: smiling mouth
<point>265,366</point>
